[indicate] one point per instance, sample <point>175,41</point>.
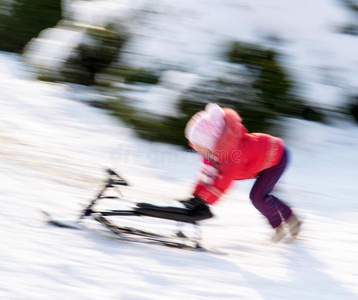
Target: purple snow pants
<point>270,206</point>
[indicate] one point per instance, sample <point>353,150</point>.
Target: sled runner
<point>176,215</point>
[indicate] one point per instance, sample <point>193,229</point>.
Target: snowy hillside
<point>53,148</point>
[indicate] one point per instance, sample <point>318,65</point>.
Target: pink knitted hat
<point>206,127</point>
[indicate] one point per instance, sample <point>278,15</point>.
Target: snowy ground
<point>50,155</point>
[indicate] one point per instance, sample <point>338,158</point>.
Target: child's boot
<point>280,233</point>
<point>294,225</point>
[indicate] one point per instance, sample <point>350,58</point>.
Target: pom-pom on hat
<point>206,127</point>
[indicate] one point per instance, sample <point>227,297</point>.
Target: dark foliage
<point>25,21</point>
<point>133,75</point>
<point>275,89</point>
<point>90,59</point>
<point>353,108</point>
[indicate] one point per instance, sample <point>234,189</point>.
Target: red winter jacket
<point>237,155</point>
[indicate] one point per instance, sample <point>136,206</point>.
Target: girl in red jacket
<point>231,153</point>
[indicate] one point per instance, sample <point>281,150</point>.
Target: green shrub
<point>275,88</point>
<point>250,55</point>
<point>350,29</point>
<point>46,76</point>
<point>133,75</point>
<point>89,59</point>
<point>353,108</point>
<point>352,4</point>
<point>26,20</point>
<point>148,126</point>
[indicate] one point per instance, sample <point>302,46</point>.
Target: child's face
<point>202,150</point>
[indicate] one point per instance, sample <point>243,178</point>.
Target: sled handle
<point>110,183</point>
<point>118,181</point>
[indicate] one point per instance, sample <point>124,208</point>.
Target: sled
<point>114,182</point>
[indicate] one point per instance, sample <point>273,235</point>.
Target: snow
<point>165,94</point>
<point>53,148</point>
<point>56,47</point>
<point>99,12</point>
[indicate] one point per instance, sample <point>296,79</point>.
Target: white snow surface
<point>50,155</point>
<point>57,45</point>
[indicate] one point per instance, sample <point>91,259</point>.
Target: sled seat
<point>167,212</point>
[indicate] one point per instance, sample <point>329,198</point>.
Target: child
<point>231,153</point>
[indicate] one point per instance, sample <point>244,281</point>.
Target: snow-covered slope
<point>52,148</point>
<point>50,155</point>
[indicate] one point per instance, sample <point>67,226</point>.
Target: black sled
<point>130,233</point>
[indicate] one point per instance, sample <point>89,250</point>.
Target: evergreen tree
<point>275,89</point>
<point>94,55</point>
<point>27,19</point>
